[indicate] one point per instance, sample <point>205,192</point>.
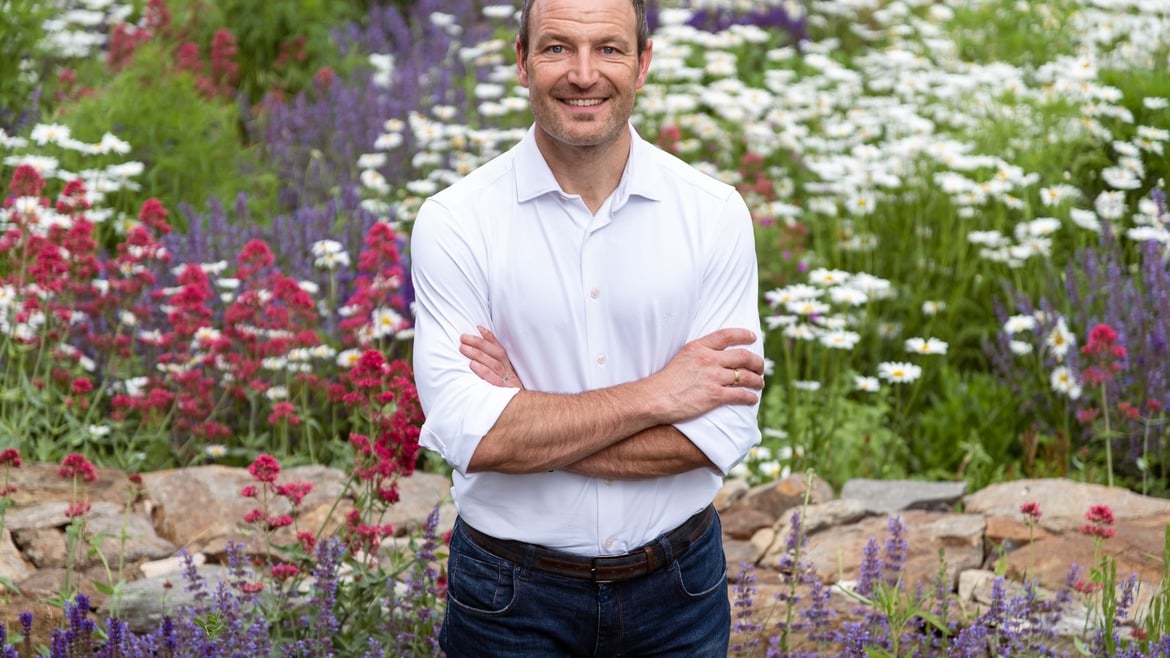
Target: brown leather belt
<point>608,568</point>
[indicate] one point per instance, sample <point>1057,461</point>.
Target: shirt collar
<point>534,177</point>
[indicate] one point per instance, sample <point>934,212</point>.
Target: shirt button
<point>608,544</point>
<point>595,293</point>
<point>600,359</point>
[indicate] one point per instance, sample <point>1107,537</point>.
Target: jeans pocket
<point>699,582</point>
<point>480,587</point>
<point>703,569</point>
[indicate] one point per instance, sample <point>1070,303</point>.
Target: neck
<point>593,172</point>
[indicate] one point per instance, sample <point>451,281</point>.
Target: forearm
<point>539,432</point>
<point>543,432</point>
<point>655,452</point>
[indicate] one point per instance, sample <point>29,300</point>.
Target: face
<point>582,70</point>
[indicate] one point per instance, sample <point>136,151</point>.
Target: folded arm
<point>620,432</point>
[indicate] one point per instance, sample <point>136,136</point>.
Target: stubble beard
<point>563,127</point>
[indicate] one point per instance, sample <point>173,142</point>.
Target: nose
<point>584,72</point>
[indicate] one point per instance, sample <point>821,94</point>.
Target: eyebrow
<point>545,37</point>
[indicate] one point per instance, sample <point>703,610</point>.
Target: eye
<point>556,50</point>
<point>609,50</point>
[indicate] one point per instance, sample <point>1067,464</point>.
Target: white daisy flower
<point>926,346</point>
<point>1020,348</point>
<point>1017,323</point>
<point>867,384</point>
<point>899,372</point>
<point>933,307</point>
<point>840,339</point>
<point>1060,339</point>
<point>1063,381</point>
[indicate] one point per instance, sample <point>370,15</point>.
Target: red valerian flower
<point>294,491</point>
<point>1100,514</point>
<point>76,465</point>
<point>1086,587</point>
<point>10,457</point>
<point>1031,512</point>
<point>308,540</point>
<point>1102,531</point>
<point>81,386</point>
<point>284,571</point>
<point>279,521</point>
<point>284,410</point>
<point>77,509</point>
<point>252,588</point>
<point>1100,523</point>
<point>1128,410</point>
<point>265,468</point>
<point>254,516</point>
<point>249,491</point>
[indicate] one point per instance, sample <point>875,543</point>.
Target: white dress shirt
<point>580,302</point>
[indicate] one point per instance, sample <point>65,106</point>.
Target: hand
<point>489,359</point>
<point>705,374</point>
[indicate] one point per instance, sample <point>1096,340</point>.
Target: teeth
<point>584,102</point>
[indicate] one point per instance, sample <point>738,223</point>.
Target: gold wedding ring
<point>735,382</point>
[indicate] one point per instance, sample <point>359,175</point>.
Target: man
<point>588,355</point>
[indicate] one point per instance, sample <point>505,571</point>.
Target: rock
<point>420,494</point>
<point>14,566</point>
<point>775,498</point>
<point>731,491</point>
<point>169,567</point>
<point>200,509</point>
<point>836,553</point>
<point>1062,502</point>
<point>143,603</point>
<point>741,522</point>
<point>886,496</point>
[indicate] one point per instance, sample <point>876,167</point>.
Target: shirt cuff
<point>725,441</point>
<point>455,432</point>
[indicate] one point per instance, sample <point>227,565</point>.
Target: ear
<point>644,64</point>
<point>521,64</point>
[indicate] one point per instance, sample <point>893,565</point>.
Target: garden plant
<point>964,248</point>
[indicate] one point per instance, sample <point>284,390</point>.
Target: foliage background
<point>875,141</point>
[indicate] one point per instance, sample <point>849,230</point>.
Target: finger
<point>747,379</point>
<point>491,345</point>
<point>743,359</point>
<point>487,334</point>
<point>721,339</point>
<point>487,374</point>
<point>477,355</point>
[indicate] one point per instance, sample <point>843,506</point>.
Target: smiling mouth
<point>584,102</point>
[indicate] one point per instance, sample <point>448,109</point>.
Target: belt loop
<point>529,561</point>
<point>664,542</point>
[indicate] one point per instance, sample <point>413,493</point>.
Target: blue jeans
<point>497,608</point>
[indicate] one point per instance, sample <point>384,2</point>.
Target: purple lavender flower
<point>871,568</point>
<point>896,549</point>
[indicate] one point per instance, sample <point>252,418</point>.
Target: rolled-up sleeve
<point>728,299</point>
<point>448,270</point>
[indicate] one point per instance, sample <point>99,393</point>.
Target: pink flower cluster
<point>265,469</point>
<point>1100,522</point>
<point>1031,512</point>
<point>9,459</point>
<point>77,467</point>
<point>373,386</point>
<point>1104,355</point>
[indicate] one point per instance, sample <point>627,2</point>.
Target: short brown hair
<point>642,26</point>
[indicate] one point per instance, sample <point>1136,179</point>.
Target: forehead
<point>583,17</point>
